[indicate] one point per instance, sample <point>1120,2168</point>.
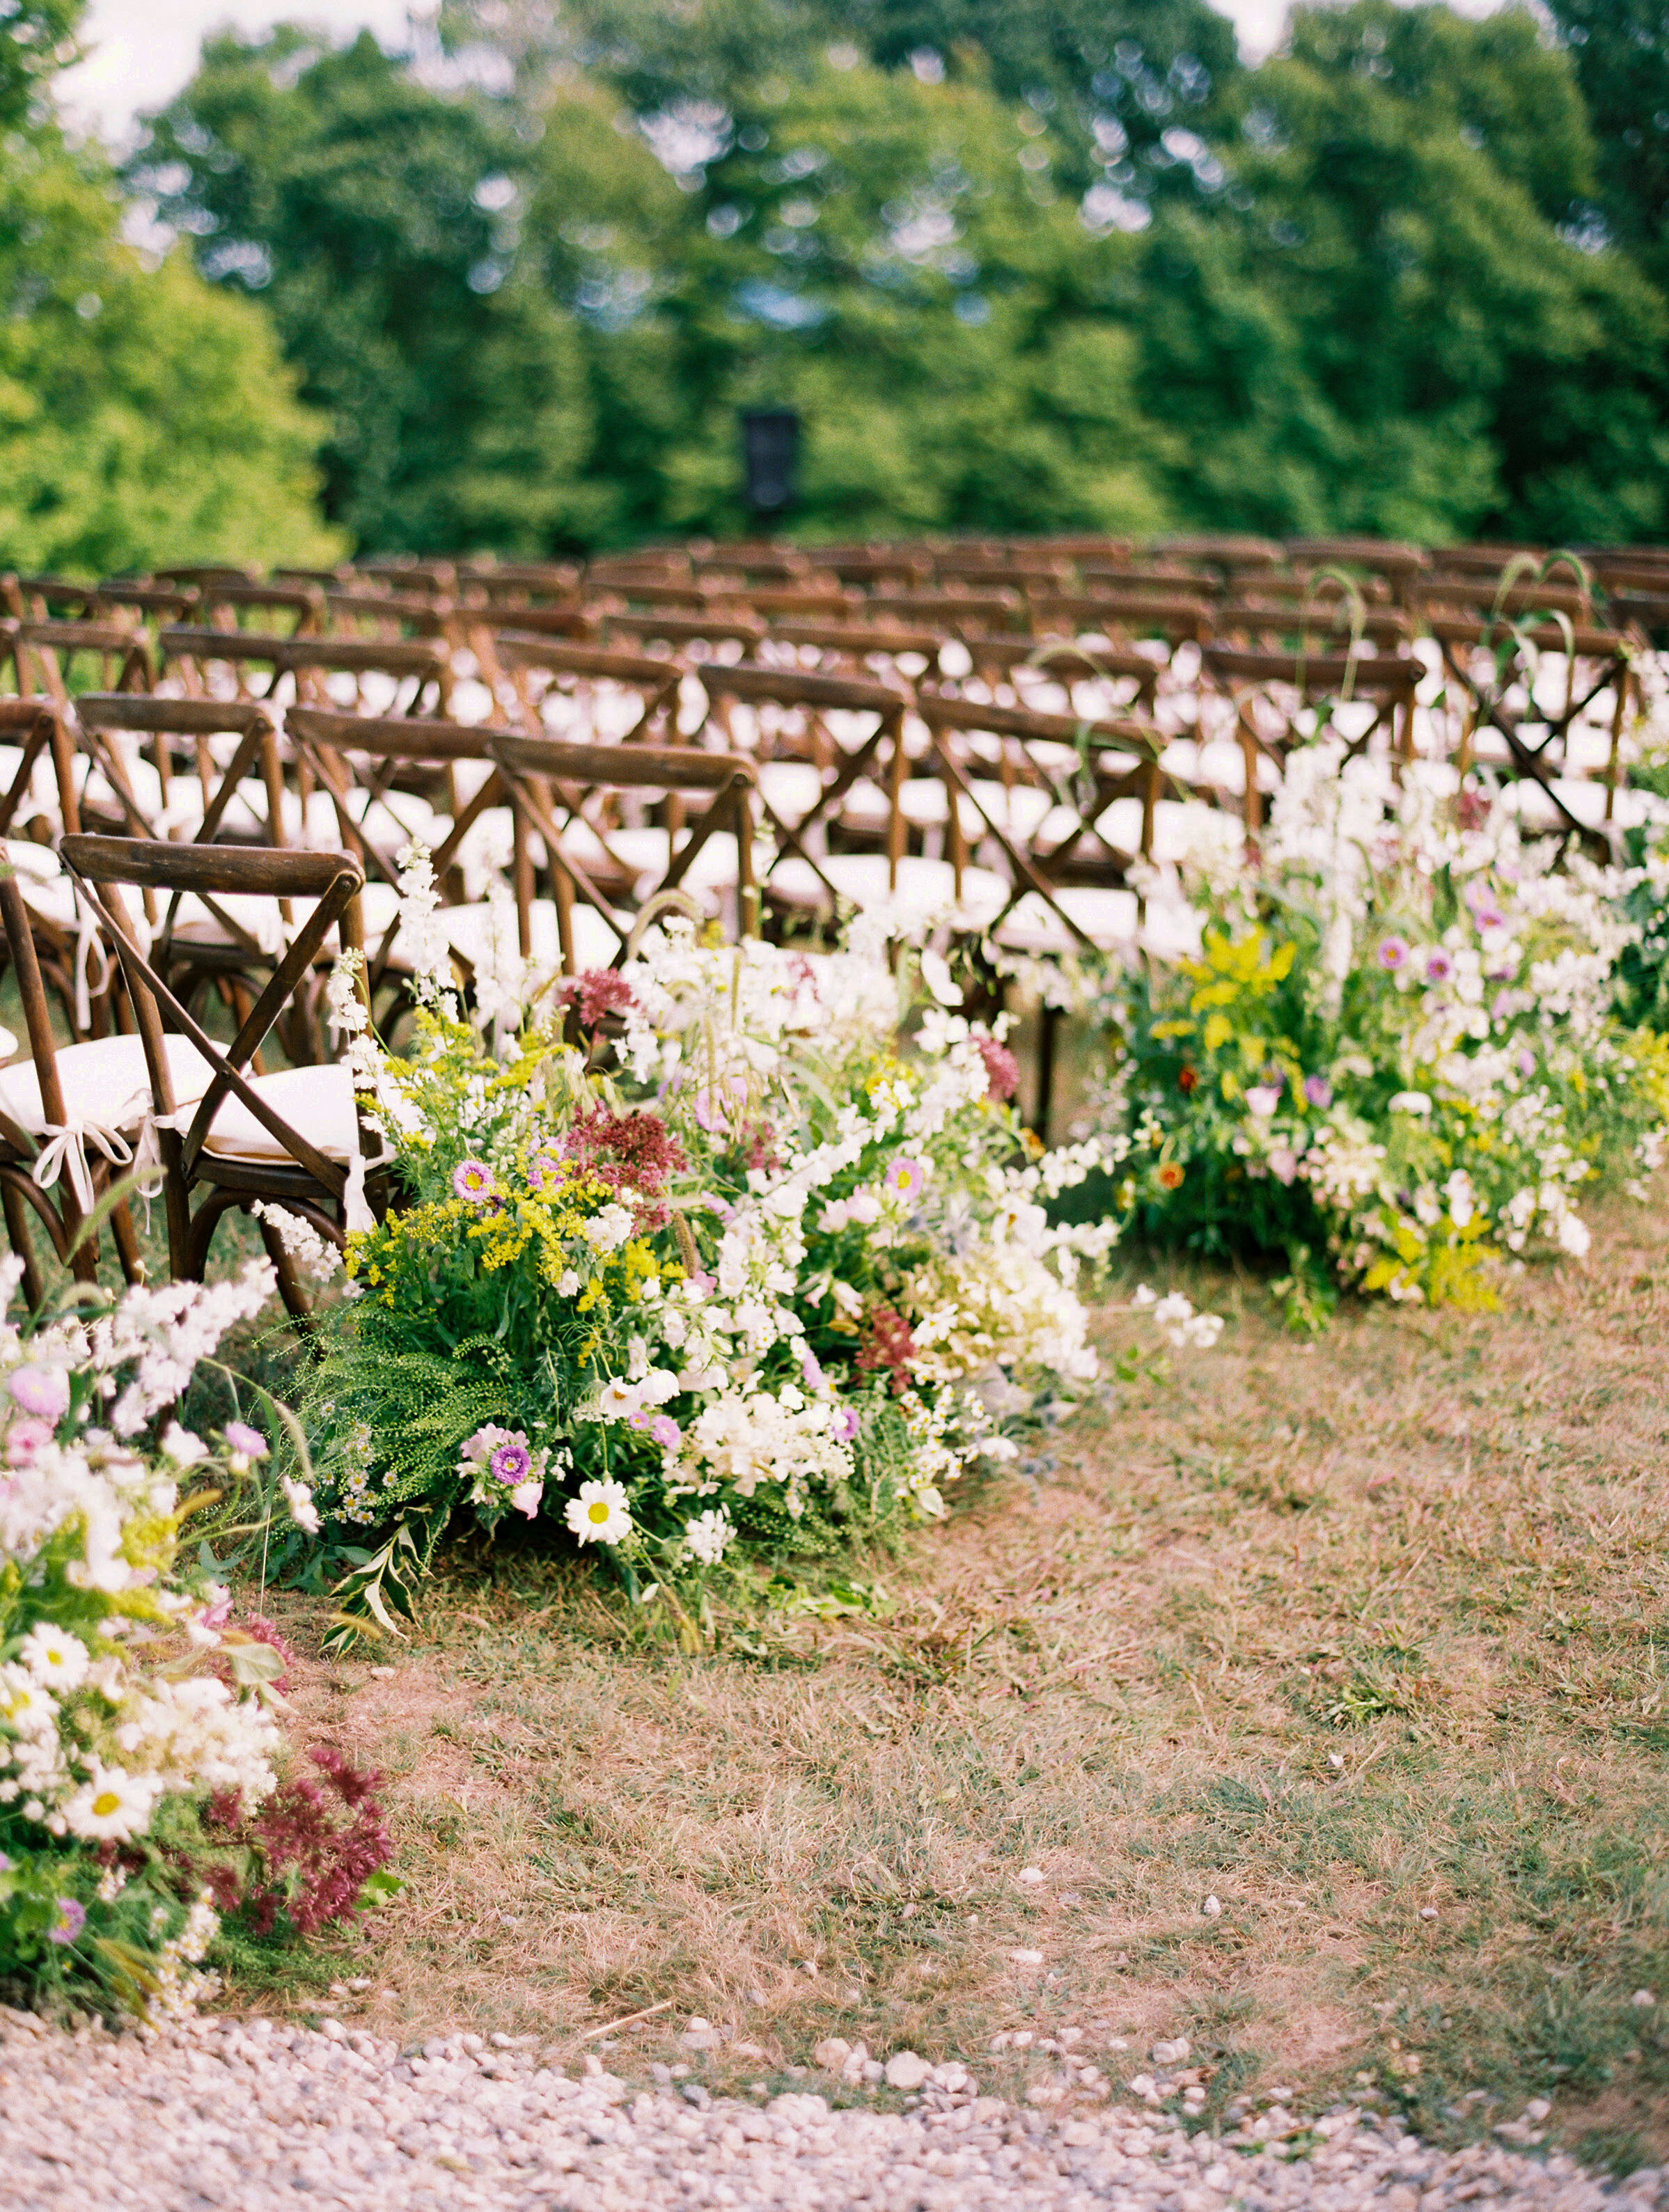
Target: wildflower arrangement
<point>1396,1058</point>
<point>128,1697</point>
<point>722,1255</point>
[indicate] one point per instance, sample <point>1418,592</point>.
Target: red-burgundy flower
<point>887,1343</point>
<point>632,1153</point>
<point>1001,1068</point>
<point>598,992</point>
<point>314,1868</point>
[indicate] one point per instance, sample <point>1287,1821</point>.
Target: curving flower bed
<point>764,1285</point>
<point>1396,1060</point>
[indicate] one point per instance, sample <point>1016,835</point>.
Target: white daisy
<point>303,1511</point>
<point>58,1660</point>
<point>600,1514</point>
<point>112,1805</point>
<point>25,1706</point>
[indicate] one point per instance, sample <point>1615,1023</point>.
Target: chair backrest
<point>1083,767</point>
<point>42,652</point>
<point>200,720</point>
<point>37,726</point>
<point>102,866</point>
<point>306,602</point>
<point>536,769</point>
<point>523,658</point>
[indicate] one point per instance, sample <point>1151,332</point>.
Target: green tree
<point>144,416</point>
<point>1620,51</point>
<point>1381,325</point>
<point>379,223</point>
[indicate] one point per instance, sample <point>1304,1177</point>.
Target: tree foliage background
<point>1040,265</point>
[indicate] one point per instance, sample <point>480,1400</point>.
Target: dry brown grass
<point>1339,1634</point>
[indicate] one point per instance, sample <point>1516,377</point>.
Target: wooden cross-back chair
<point>1123,616</point>
<point>856,645</point>
<point>46,599</point>
<point>295,1138</point>
<point>577,672</point>
<point>831,767</point>
<point>70,1119</point>
<point>960,613</point>
<point>1323,625</point>
<point>1268,690</point>
<point>1488,662</point>
<point>716,626</point>
<point>230,606</point>
<point>1057,776</point>
<point>1062,661</point>
<point>311,662</point>
<point>44,656</point>
<point>226,945</point>
<point>35,808</point>
<point>550,783</point>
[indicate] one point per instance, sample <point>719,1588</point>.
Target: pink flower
<point>1318,1091</point>
<point>545,1168</point>
<point>473,1179</point>
<point>1001,1068</point>
<point>24,1439</point>
<point>247,1442</point>
<point>904,1179</point>
<point>42,1391</point>
<point>811,1373</point>
<point>1438,965</point>
<point>1392,953</point>
<point>1283,1163</point>
<point>525,1497</point>
<point>843,1427</point>
<point>72,1919</point>
<point>666,1432</point>
<point>218,1611</point>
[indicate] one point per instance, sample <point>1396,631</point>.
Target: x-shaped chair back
<point>544,774</point>
<point>43,653</point>
<point>1112,761</point>
<point>814,696</point>
<point>1282,684</point>
<point>578,669</point>
<point>100,867</point>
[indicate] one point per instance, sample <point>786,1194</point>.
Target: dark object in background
<point>770,447</point>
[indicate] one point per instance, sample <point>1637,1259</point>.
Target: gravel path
<point>249,2116</point>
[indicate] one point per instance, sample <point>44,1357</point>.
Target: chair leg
<point>297,1304</point>
<point>127,1244</point>
<point>205,1221</point>
<point>17,1230</point>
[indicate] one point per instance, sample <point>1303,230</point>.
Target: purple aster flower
<point>1318,1091</point>
<point>1438,965</point>
<point>1394,953</point>
<point>511,1462</point>
<point>844,1426</point>
<point>248,1443</point>
<point>473,1179</point>
<point>72,1919</point>
<point>666,1432</point>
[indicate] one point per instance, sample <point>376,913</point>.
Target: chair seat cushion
<point>105,1082</point>
<point>318,1102</point>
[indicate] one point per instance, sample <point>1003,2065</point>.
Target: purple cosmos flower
<point>1318,1091</point>
<point>473,1179</point>
<point>1394,953</point>
<point>511,1462</point>
<point>666,1432</point>
<point>844,1426</point>
<point>72,1919</point>
<point>1438,965</point>
<point>248,1443</point>
<point>42,1391</point>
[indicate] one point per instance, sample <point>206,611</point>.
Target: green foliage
<point>1020,268</point>
<point>1620,52</point>
<point>37,39</point>
<point>1382,329</point>
<point>144,415</point>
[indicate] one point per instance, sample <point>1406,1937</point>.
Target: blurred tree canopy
<point>1043,264</point>
<point>144,413</point>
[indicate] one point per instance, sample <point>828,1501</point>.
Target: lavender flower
<point>473,1179</point>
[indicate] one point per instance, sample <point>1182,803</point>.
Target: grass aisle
<point>1365,1642</point>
